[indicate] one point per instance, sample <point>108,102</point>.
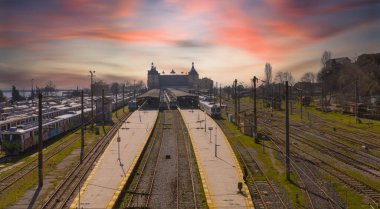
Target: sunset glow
<point>63,40</point>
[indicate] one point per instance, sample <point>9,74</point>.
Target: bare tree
<point>268,73</point>
<point>326,56</point>
<point>308,77</point>
<point>115,87</point>
<point>50,88</point>
<point>281,77</point>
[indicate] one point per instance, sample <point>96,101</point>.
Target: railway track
<point>141,192</point>
<point>354,183</point>
<point>331,150</point>
<point>362,161</point>
<point>265,193</point>
<point>321,193</point>
<point>186,195</point>
<point>62,195</point>
<point>11,178</point>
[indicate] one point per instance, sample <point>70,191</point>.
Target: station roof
<point>153,93</point>
<point>179,93</point>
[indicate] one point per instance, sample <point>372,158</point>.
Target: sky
<point>62,40</point>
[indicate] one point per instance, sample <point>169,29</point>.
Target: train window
<point>16,137</point>
<point>7,137</point>
<point>3,128</point>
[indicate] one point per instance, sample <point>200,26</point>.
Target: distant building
<point>173,80</point>
<point>205,84</point>
<point>340,60</point>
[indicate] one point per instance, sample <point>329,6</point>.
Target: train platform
<point>220,174</point>
<point>114,167</point>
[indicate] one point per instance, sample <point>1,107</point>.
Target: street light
<point>118,145</point>
<point>210,129</point>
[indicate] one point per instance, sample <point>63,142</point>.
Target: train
<point>18,133</point>
<point>210,108</point>
<point>20,138</point>
<point>132,105</point>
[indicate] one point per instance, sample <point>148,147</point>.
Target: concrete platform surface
<point>220,174</point>
<point>114,167</point>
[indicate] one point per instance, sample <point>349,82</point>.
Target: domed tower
<point>153,78</point>
<point>193,77</point>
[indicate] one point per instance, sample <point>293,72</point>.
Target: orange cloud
<point>241,31</point>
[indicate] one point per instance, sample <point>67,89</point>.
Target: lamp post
<point>210,129</point>
<point>205,122</point>
<point>118,145</point>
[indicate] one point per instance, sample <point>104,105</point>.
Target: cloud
<point>312,8</point>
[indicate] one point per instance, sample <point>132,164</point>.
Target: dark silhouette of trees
<point>326,56</point>
<point>116,87</point>
<point>308,80</point>
<point>2,97</point>
<point>16,94</point>
<point>281,77</point>
<point>98,86</point>
<point>49,89</point>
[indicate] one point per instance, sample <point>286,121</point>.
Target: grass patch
<point>272,167</point>
<point>351,198</point>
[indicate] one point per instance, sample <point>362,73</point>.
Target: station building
<point>189,81</point>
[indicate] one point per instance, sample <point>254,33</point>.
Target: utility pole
<point>40,145</point>
<point>235,97</point>
<point>214,92</point>
<point>220,96</point>
<point>134,89</point>
<point>356,101</point>
<point>287,132</point>
<point>291,100</point>
<point>116,107</point>
<point>238,107</point>
<point>254,110</point>
<point>301,104</point>
<point>82,129</point>
<point>123,98</point>
<point>103,113</point>
<point>32,93</point>
<point>92,99</point>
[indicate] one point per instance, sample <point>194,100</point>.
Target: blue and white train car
<point>210,108</point>
<point>22,137</point>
